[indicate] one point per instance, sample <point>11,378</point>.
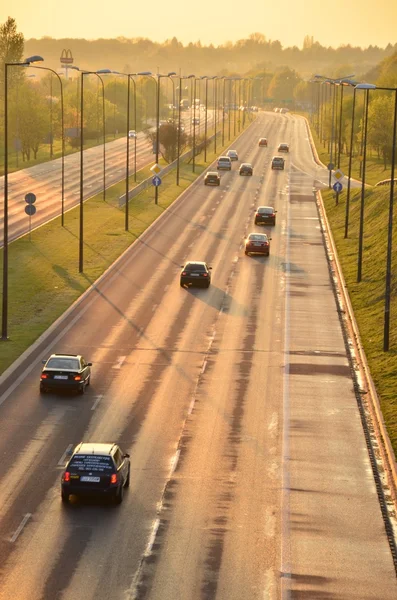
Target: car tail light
<point>205,274</point>
<point>184,273</point>
<point>77,378</point>
<point>44,376</point>
<point>113,478</point>
<point>66,476</point>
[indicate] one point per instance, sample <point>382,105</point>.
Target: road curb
<point>358,357</point>
<point>315,153</point>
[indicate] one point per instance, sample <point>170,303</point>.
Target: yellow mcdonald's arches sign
<point>66,57</point>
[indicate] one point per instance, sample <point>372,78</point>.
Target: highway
<point>250,476</point>
<point>44,180</point>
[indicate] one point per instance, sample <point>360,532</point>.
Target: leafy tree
<point>282,85</point>
<point>380,118</point>
<point>11,50</point>
<point>168,140</point>
<point>32,119</point>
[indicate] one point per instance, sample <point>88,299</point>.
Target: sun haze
<point>355,22</point>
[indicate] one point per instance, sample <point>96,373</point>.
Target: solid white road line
<point>21,526</point>
<point>62,460</point>
<point>119,363</point>
<point>97,401</point>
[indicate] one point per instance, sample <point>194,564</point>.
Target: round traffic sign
<point>337,187</point>
<point>30,198</point>
<point>156,181</point>
<point>30,209</point>
<point>330,166</point>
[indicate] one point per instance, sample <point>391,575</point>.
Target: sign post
<point>30,210</point>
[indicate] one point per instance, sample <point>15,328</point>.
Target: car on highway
<point>246,169</point>
<point>262,142</point>
<point>232,154</point>
<point>96,469</point>
<point>265,215</point>
<point>196,272</point>
<point>196,121</point>
<point>212,178</point>
<point>65,372</point>
<point>257,243</point>
<point>278,162</point>
<point>283,148</point>
<point>132,134</point>
<point>224,163</point>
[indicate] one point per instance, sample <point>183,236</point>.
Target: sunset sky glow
<point>356,22</point>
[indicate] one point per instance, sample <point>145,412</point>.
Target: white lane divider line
<point>152,538</point>
<point>21,526</point>
<point>119,363</point>
<point>174,462</point>
<point>168,285</point>
<point>154,307</point>
<point>97,401</point>
<point>203,368</point>
<point>62,460</point>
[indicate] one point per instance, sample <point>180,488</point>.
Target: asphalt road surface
<point>45,179</point>
<point>250,477</point>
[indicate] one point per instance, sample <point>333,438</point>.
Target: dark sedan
<point>96,470</point>
<point>246,169</point>
<point>68,372</point>
<point>212,178</point>
<point>196,273</point>
<point>257,243</point>
<point>265,215</point>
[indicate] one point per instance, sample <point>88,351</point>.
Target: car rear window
<point>200,268</point>
<point>68,364</point>
<point>257,237</point>
<point>91,462</point>
<point>265,211</point>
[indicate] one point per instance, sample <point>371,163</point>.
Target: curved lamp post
<point>4,316</point>
<point>63,142</point>
<point>179,126</point>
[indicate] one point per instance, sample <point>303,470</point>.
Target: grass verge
<point>368,296</point>
<point>374,171</point>
<point>43,272</point>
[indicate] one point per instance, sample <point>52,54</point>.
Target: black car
<point>246,169</point>
<point>212,178</point>
<point>65,372</point>
<point>96,470</point>
<point>265,215</point>
<point>196,273</point>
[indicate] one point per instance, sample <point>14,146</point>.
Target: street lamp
<point>179,126</point>
<point>157,81</point>
<point>63,142</point>
<point>4,316</point>
<point>386,327</point>
<point>366,87</point>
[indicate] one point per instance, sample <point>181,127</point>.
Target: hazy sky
<point>358,22</point>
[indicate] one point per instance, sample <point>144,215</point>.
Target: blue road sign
<point>156,181</point>
<point>337,187</point>
<point>30,198</point>
<point>30,209</point>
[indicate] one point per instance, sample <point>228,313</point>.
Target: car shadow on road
<point>219,300</point>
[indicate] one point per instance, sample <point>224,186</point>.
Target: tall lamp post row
<point>29,62</point>
<point>367,88</point>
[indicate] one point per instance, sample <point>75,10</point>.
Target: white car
<point>224,163</point>
<point>132,134</point>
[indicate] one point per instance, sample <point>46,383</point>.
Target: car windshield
<point>265,210</point>
<point>68,364</point>
<point>257,237</point>
<point>91,462</point>
<point>195,267</point>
